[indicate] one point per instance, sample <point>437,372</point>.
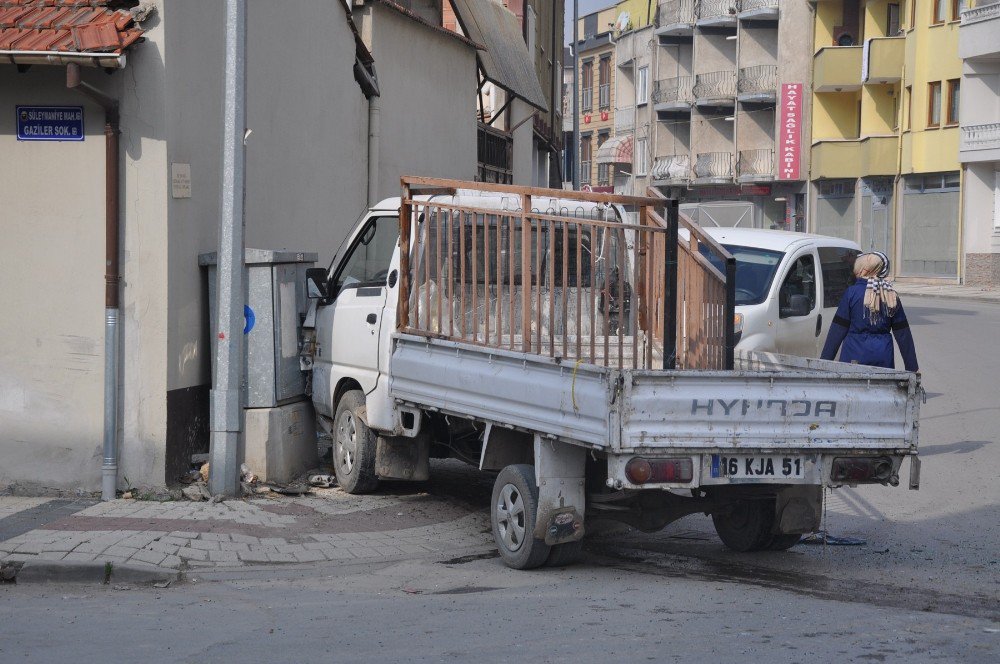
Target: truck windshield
<point>755,270</point>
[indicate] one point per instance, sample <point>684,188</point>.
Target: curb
<point>965,297</point>
<point>94,573</point>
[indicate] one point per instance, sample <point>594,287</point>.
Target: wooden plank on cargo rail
<point>420,183</point>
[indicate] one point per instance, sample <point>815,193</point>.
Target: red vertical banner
<point>790,131</point>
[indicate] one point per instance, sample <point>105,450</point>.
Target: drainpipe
<point>374,118</point>
<point>112,276</point>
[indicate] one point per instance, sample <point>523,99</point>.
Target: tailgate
<point>816,408</point>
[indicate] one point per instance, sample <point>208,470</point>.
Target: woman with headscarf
<point>868,312</point>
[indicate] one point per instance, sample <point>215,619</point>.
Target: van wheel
<point>746,525</point>
<point>353,446</point>
<point>513,513</point>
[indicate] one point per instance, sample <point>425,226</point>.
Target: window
<point>368,262</point>
<point>797,296</point>
<point>755,270</point>
<point>953,98</point>
<point>603,175</point>
<point>956,9</point>
<point>641,156</point>
<point>892,19</point>
<point>587,86</point>
<point>909,108</point>
<point>641,86</point>
<point>934,104</point>
<point>604,81</point>
<point>940,12</point>
<point>602,136</point>
<point>837,264</point>
<point>912,12</point>
<point>585,156</point>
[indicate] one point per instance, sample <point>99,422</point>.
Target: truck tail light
<point>657,471</point>
<point>861,469</point>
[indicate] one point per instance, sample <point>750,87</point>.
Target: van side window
<point>837,264</point>
<point>368,262</point>
<point>800,283</point>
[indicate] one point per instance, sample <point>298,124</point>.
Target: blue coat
<point>864,341</point>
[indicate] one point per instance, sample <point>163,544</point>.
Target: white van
<point>784,304</point>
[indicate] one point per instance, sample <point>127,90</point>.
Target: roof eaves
<point>437,28</point>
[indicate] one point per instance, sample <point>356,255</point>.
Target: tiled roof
<point>67,26</point>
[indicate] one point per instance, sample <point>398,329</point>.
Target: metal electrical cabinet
<point>275,305</point>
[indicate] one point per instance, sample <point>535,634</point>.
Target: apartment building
<point>885,169</point>
<point>727,108</point>
<point>979,120</point>
<point>596,50</point>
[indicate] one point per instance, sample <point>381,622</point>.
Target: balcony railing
<point>675,12</point>
<point>604,92</point>
<point>495,151</point>
<point>715,85</point>
<point>751,5</point>
<point>980,13</point>
<point>717,12</point>
<point>758,79</point>
<point>714,165</point>
<point>674,167</point>
<point>837,68</point>
<point>679,89</point>
<point>755,164</point>
<point>587,99</point>
<point>624,120</point>
<point>981,137</point>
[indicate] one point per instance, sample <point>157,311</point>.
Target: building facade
<point>597,88</point>
<point>307,182</point>
<point>885,168</point>
<point>979,48</point>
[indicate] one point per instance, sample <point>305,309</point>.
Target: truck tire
<point>565,554</point>
<point>513,512</point>
<point>746,526</point>
<point>353,446</point>
<point>783,541</point>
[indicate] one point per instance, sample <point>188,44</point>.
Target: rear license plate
<point>754,467</point>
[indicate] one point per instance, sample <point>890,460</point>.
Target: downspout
<point>112,276</point>
<point>374,120</point>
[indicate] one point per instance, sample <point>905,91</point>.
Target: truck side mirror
<point>798,305</point>
<point>317,287</point>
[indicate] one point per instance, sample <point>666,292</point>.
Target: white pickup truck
<point>588,360</point>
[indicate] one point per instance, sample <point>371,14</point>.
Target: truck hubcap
<point>347,442</point>
<point>510,517</point>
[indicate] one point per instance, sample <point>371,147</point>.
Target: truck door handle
<point>819,324</point>
<point>372,319</point>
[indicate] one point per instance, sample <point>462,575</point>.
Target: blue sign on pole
<point>49,123</point>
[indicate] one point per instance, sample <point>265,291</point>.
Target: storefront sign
<point>49,123</point>
<point>790,130</point>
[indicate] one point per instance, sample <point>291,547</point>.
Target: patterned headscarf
<point>880,297</point>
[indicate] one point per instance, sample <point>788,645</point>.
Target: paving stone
<point>184,534</point>
<point>192,554</point>
<point>168,549</point>
<point>281,558</point>
<point>234,546</point>
<point>75,557</point>
<point>118,551</point>
<point>148,556</point>
<point>305,556</point>
<point>51,555</point>
<point>253,556</point>
<point>223,556</point>
<point>176,541</point>
<point>215,537</point>
<point>172,562</point>
<point>290,548</point>
<point>246,539</point>
<point>338,554</point>
<point>203,545</point>
<point>364,552</point>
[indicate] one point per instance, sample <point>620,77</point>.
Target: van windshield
<point>755,269</point>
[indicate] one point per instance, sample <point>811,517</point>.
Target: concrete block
<point>280,443</point>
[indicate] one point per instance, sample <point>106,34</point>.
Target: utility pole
<point>226,402</point>
<point>576,96</point>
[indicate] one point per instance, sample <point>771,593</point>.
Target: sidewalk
<point>61,540</point>
<point>949,292</point>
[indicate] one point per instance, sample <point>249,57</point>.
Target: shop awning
<point>58,33</point>
<point>615,150</point>
<point>506,61</point>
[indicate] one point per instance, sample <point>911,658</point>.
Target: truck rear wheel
<point>513,514</point>
<point>746,526</point>
<point>353,446</point>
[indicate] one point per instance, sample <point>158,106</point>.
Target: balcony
<point>624,120</point>
<point>755,165</point>
<point>675,18</point>
<point>758,10</point>
<point>978,32</point>
<point>672,169</point>
<point>757,84</point>
<point>604,96</point>
<point>713,168</point>
<point>717,13</point>
<point>673,94</point>
<point>836,159</point>
<point>885,60</point>
<point>879,155</point>
<point>980,142</point>
<point>717,88</point>
<point>837,68</point>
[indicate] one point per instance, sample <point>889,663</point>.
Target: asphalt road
<point>923,587</point>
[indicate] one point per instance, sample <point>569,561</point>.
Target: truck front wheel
<point>353,446</point>
<point>513,513</point>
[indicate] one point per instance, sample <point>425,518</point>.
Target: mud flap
<point>398,458</point>
<point>559,473</point>
<point>798,509</point>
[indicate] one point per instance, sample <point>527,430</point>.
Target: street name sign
<point>49,123</point>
